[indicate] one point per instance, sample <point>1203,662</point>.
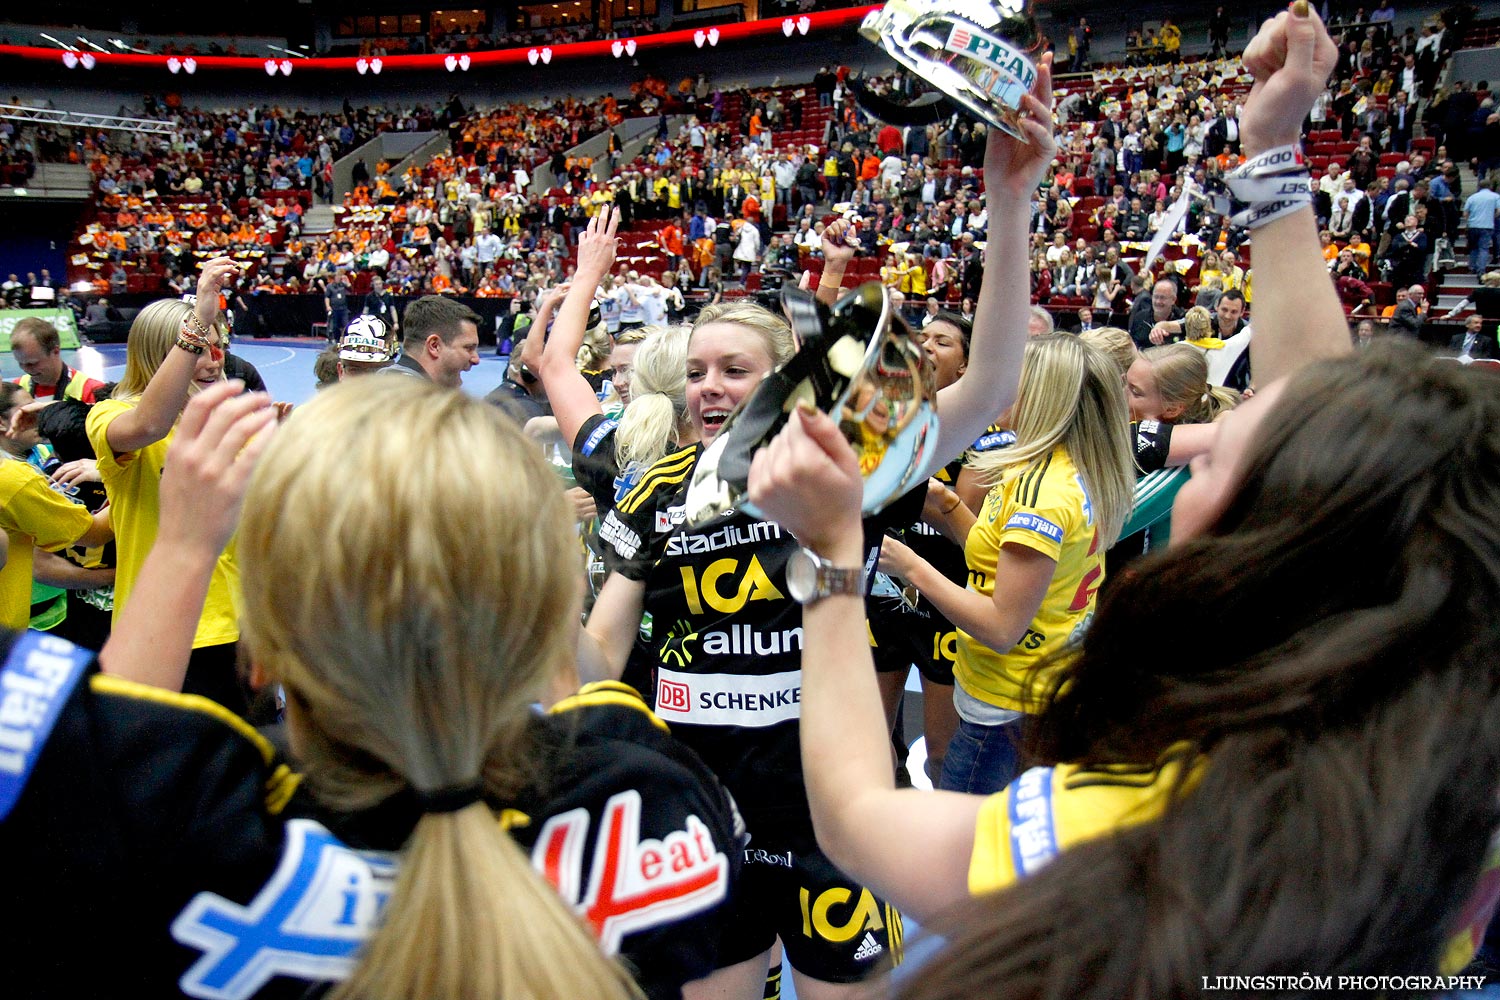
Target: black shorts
<point>831,928</point>
<point>906,640</point>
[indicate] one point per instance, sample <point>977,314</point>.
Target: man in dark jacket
<point>1151,311</point>
<point>1474,342</point>
<point>1407,319</point>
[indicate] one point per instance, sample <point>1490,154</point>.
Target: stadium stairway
<point>1455,283</point>
<point>318,221</point>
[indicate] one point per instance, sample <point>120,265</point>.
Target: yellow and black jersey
<point>1045,508</point>
<point>133,482</point>
<point>595,466</point>
<point>1048,810</point>
<point>726,645</point>
<point>158,845</point>
<point>906,631</point>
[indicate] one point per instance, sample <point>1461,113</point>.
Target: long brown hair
<point>1326,656</point>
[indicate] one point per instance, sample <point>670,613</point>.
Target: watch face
<point>802,576</point>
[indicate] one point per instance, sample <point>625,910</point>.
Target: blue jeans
<point>982,759</point>
<point>1481,244</point>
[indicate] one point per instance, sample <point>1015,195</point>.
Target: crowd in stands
<point>734,199</point>
<point>223,183</point>
<point>240,183</point>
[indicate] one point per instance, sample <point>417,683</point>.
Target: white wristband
<point>1272,185</point>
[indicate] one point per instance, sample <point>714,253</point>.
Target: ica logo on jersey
<point>727,585</point>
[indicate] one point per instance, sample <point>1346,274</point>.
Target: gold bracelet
<point>198,324</point>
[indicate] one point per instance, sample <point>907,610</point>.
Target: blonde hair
<point>1072,396</point>
<point>774,331</point>
<point>1197,324</point>
<point>153,334</point>
<point>1181,373</point>
<point>650,425</point>
<point>410,662</point>
<point>593,355</point>
<point>1114,342</point>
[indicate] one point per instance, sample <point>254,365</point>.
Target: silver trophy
<point>981,55</point>
<point>859,363</point>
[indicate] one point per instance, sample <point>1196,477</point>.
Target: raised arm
<point>536,335</point>
<point>837,253</point>
<point>1298,318</point>
<point>604,644</point>
<point>572,398</point>
<point>910,847</point>
<point>1012,171</point>
<point>208,468</point>
<point>1022,576</point>
<point>167,393</point>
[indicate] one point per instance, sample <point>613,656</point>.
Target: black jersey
<point>726,638</point>
<point>1152,440</point>
<point>886,604</point>
<point>157,845</point>
<point>594,464</point>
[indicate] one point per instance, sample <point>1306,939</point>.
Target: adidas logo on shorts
<point>868,948</point>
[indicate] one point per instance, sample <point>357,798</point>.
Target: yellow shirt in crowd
<point>1048,810</point>
<point>32,514</point>
<point>1044,508</point>
<point>133,481</point>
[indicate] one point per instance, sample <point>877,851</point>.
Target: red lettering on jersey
<point>634,884</point>
<point>673,696</point>
<point>1091,580</point>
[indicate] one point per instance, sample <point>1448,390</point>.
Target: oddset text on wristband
<point>1272,185</point>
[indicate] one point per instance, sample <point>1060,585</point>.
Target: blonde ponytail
<point>411,659</point>
<point>1072,396</point>
<point>593,355</point>
<point>1181,373</point>
<point>469,917</point>
<point>652,423</point>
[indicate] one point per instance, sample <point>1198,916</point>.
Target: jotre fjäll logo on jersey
<point>325,899</point>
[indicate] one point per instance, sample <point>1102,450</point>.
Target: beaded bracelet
<point>192,318</point>
<point>191,341</point>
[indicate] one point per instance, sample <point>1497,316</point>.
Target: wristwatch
<point>810,578</point>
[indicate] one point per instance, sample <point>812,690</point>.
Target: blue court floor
<point>286,365</point>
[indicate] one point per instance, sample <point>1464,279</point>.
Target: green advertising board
<point>67,326</point>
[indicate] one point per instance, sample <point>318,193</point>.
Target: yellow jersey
<point>133,481</point>
<point>32,514</point>
<point>1048,810</point>
<point>1045,508</point>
